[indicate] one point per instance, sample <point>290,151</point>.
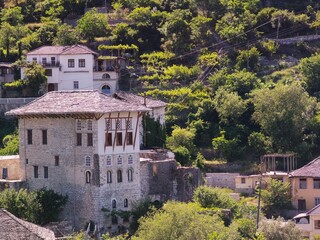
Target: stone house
<point>305,183</point>
<point>87,145</point>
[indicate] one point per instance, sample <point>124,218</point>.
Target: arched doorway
<point>105,89</point>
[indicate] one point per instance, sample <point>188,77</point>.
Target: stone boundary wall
<point>223,180</point>
<point>7,104</point>
<point>297,39</point>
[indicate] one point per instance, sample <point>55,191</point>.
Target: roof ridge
<point>21,222</point>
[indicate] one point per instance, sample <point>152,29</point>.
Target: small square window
<point>82,63</point>
<point>48,72</point>
<point>316,183</point>
<point>75,84</point>
<point>71,63</point>
<point>243,180</point>
<point>303,183</point>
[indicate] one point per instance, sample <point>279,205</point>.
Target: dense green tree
<point>123,34</point>
<point>276,197</point>
<point>13,16</point>
<point>248,59</point>
<point>229,105</point>
<point>7,37</point>
<point>310,69</point>
<point>283,114</point>
<point>177,31</point>
<point>179,221</point>
<point>279,229</point>
<point>66,35</point>
<point>10,145</point>
<point>34,77</point>
<point>51,203</point>
<point>93,24</point>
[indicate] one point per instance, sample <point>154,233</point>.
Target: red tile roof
<point>76,102</point>
<point>312,169</point>
<point>62,50</point>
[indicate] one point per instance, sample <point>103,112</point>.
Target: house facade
<point>305,183</point>
<point>309,223</point>
<point>86,145</point>
<point>74,67</point>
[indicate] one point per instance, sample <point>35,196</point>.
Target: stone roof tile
<point>75,102</point>
<point>62,50</point>
<point>312,169</point>
<point>12,227</point>
<point>132,98</point>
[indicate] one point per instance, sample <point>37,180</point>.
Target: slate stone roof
<point>75,102</point>
<point>132,98</point>
<point>312,169</point>
<point>62,50</point>
<point>12,227</point>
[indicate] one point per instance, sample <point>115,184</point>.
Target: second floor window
<point>88,161</point>
<point>119,139</point>
<point>316,183</point>
<point>56,160</point>
<point>44,61</point>
<point>70,63</point>
<point>29,136</point>
<point>82,63</point>
<point>90,140</point>
<point>303,183</point>
<point>44,137</point>
<point>129,138</point>
<point>79,139</point>
<point>108,139</point>
<point>48,72</point>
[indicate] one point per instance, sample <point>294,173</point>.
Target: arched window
<point>105,89</point>
<point>119,176</point>
<point>88,177</point>
<point>78,125</point>
<point>106,76</point>
<point>114,203</point>
<point>130,159</point>
<point>89,125</point>
<point>108,160</point>
<point>88,161</point>
<point>109,177</point>
<point>125,203</point>
<point>130,175</point>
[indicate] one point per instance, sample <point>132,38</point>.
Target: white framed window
<point>108,160</point>
<point>44,61</point>
<point>108,124</point>
<point>316,201</point>
<point>78,124</point>
<point>82,63</point>
<point>130,159</point>
<point>70,63</point>
<point>129,123</point>
<point>118,124</point>
<point>119,160</point>
<point>88,161</point>
<point>34,59</point>
<point>75,84</point>
<point>89,125</point>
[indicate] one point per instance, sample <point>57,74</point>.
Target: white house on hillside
<point>74,68</point>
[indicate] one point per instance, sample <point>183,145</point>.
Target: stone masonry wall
<point>223,180</point>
